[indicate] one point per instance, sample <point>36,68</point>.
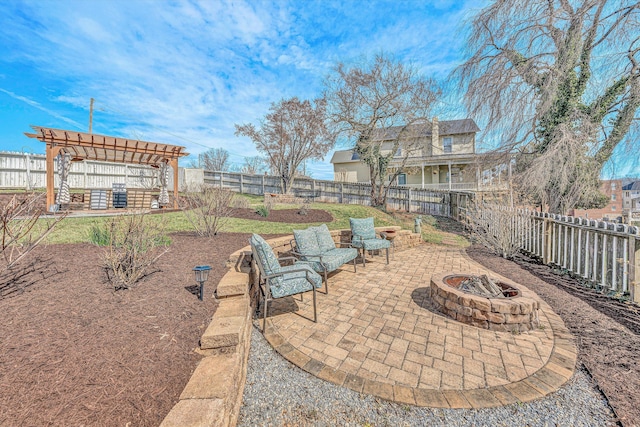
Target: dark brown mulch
<point>607,331</point>
<point>74,352</point>
<point>284,215</point>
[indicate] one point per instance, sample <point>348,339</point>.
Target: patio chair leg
<point>326,284</point>
<point>315,313</point>
<point>364,257</point>
<point>354,265</point>
<point>387,255</point>
<point>264,317</point>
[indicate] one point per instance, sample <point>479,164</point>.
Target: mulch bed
<point>75,352</point>
<point>292,216</point>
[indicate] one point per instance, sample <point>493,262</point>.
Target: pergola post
<point>174,164</point>
<point>52,151</point>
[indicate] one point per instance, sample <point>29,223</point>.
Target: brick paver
<point>377,334</point>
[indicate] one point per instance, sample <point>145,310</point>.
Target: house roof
<point>345,156</point>
<point>445,127</point>
<point>635,185</point>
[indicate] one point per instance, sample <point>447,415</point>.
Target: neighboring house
<point>442,155</point>
<point>631,202</point>
<point>613,189</point>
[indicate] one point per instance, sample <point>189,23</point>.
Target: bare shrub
<point>21,228</point>
<point>134,244</point>
<point>208,209</point>
<point>240,202</point>
<point>496,227</point>
<point>270,202</point>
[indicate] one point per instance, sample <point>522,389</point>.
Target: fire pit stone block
<point>514,314</point>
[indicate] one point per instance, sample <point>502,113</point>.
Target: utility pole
<point>91,115</point>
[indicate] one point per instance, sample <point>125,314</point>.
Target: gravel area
<point>278,393</point>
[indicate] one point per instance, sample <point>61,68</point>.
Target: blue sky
<point>184,72</point>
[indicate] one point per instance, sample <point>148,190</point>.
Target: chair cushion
<point>307,243</point>
<point>266,257</point>
<point>373,244</point>
<point>294,283</point>
<point>362,228</point>
<point>333,259</point>
<point>325,241</point>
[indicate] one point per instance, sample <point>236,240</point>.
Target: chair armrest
<point>298,254</point>
<point>286,258</point>
<point>294,270</point>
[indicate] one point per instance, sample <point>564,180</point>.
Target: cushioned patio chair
<point>278,281</point>
<point>363,236</point>
<point>315,247</point>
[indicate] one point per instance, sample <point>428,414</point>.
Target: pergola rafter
<point>85,146</point>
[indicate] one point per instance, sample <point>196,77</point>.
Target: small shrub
<point>99,235</point>
<point>240,202</point>
<point>262,210</point>
<point>208,209</point>
<point>134,244</point>
<point>270,201</point>
<point>495,227</point>
<point>21,229</point>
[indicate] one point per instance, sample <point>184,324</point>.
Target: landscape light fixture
<point>202,274</point>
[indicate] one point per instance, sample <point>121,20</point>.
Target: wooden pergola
<point>91,146</point>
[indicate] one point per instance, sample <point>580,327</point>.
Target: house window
<point>402,179</point>
<point>613,185</point>
<point>613,196</point>
<point>399,152</point>
<point>613,207</point>
<point>446,144</point>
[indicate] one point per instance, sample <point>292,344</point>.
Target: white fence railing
<point>606,255</point>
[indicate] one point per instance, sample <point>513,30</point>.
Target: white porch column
<point>449,165</point>
<point>422,173</point>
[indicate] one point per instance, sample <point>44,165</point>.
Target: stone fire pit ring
<point>515,314</point>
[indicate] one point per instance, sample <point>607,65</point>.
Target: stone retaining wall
<point>213,395</point>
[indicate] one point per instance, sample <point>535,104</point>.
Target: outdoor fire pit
<point>483,302</point>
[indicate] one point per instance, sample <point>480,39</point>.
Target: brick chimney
<point>435,137</point>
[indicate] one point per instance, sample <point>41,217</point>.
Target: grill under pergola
<point>91,146</point>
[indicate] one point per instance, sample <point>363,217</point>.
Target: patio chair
<point>278,281</point>
<point>363,236</point>
<point>315,247</point>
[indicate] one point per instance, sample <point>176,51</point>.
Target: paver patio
<point>378,334</point>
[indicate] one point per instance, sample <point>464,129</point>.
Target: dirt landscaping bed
<point>75,352</point>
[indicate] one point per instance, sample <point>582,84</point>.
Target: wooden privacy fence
<point>604,254</point>
<point>432,202</point>
<point>28,171</point>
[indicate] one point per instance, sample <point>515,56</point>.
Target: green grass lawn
<point>76,230</point>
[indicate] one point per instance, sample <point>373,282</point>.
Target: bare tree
<point>291,132</point>
<point>377,101</point>
<point>214,159</point>
<point>254,165</point>
<point>561,81</point>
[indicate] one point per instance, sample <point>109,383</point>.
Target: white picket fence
<point>604,254</point>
